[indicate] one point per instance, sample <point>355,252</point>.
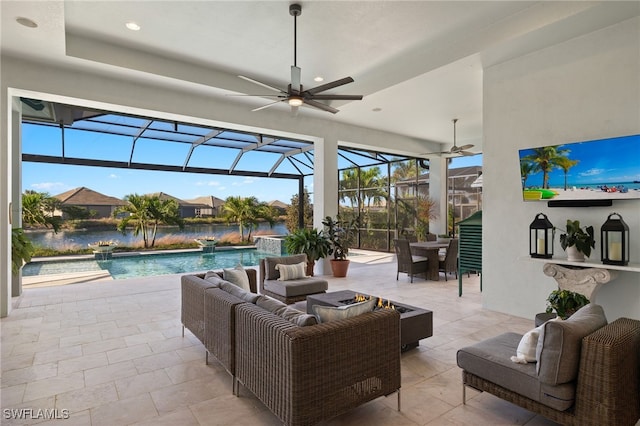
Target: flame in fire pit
<point>380,305</point>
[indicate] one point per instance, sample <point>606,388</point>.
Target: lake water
<point>81,238</point>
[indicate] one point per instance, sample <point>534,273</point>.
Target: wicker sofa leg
<point>398,399</point>
<point>206,357</point>
<point>182,330</point>
<point>464,394</point>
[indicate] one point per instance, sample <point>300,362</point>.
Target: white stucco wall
<point>585,89</point>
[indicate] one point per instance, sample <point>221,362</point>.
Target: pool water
<point>122,267</point>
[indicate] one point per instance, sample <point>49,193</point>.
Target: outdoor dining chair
<point>408,263</point>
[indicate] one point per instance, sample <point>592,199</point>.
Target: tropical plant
<point>526,168</point>
<point>576,236</point>
<point>247,212</point>
<point>341,235</point>
<point>292,218</point>
<point>315,244</point>
<point>145,213</point>
<point>38,209</point>
<point>565,303</point>
<point>21,249</point>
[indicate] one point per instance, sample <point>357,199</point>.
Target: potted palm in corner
<point>314,244</point>
<point>341,236</point>
<point>576,241</point>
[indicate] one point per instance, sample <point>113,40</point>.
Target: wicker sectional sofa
<point>581,377</point>
<point>303,374</point>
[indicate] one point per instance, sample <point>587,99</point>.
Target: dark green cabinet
<point>470,247</point>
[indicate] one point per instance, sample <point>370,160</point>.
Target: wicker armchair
<point>407,262</point>
<point>607,386</point>
<point>305,375</point>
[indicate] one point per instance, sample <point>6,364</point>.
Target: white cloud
<point>592,172</point>
<point>208,183</point>
<point>113,176</point>
<point>49,186</point>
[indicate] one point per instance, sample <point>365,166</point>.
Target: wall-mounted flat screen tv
<point>606,169</point>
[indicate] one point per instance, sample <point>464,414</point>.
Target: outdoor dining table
<point>430,250</point>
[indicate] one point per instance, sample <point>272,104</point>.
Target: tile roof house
<point>213,205</point>
<point>102,205</point>
<point>187,208</point>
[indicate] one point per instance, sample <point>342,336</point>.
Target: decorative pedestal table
<point>583,280</point>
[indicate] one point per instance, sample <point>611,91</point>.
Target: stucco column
<point>325,188</point>
<point>438,193</point>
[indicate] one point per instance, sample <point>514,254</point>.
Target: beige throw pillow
<point>237,276</point>
<point>330,313</point>
<point>291,272</point>
<point>560,344</point>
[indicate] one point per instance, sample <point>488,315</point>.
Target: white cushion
<point>291,272</point>
<point>526,351</point>
<point>237,276</point>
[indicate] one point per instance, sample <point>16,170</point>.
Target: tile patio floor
<point>111,352</point>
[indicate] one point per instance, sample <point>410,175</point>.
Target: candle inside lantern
<point>542,249</point>
<point>615,251</point>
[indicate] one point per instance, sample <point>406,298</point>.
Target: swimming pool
<point>122,267</point>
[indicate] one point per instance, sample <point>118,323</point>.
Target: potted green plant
<point>341,235</point>
<point>565,303</point>
<point>576,241</point>
<point>21,249</point>
<point>314,244</point>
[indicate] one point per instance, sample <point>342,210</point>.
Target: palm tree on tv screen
<point>545,159</point>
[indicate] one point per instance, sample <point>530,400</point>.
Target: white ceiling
<point>420,62</point>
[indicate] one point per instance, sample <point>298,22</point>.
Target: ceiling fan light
<point>295,101</point>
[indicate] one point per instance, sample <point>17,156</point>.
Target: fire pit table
<point>415,323</point>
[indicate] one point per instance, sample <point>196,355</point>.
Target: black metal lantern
<point>614,241</point>
<point>541,237</point>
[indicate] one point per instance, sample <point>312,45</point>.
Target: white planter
<point>573,255</point>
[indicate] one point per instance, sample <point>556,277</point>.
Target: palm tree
<point>372,187</point>
<point>145,213</point>
<point>247,212</point>
<point>526,168</point>
<point>403,170</point>
<point>545,159</point>
<point>37,209</point>
<point>565,164</point>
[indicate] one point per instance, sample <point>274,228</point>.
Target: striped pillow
<point>291,272</point>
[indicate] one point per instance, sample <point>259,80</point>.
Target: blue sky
<point>600,162</point>
<point>57,178</point>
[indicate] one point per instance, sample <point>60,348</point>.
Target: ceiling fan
<point>456,150</point>
<point>295,95</point>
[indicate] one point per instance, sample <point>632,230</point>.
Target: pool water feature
<point>131,266</point>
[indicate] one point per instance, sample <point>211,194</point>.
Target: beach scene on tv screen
<point>592,170</point>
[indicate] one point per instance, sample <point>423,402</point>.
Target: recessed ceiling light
<point>26,22</point>
<point>318,79</point>
<point>133,26</point>
<point>376,109</point>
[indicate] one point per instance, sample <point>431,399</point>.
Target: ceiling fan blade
<point>267,105</point>
<point>328,86</point>
<point>275,89</point>
<point>466,153</point>
<point>295,79</point>
<point>320,105</point>
<point>464,147</point>
<point>337,97</point>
